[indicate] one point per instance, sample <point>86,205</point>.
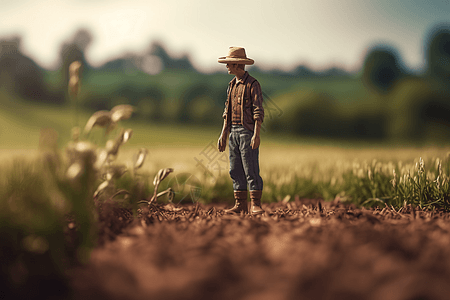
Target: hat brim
<point>244,61</point>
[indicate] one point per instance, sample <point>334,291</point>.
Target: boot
<point>255,196</point>
<point>240,205</point>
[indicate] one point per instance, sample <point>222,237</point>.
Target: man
<point>243,116</point>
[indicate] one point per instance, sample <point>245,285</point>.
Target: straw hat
<point>236,55</point>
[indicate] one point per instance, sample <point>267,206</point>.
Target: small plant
<point>104,163</point>
<point>74,86</point>
<point>158,178</point>
<point>109,171</point>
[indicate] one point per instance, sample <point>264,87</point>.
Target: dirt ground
<point>303,249</point>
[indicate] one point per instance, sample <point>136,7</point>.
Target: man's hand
<point>255,141</point>
<point>222,143</point>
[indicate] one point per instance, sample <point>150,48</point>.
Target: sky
<point>276,34</point>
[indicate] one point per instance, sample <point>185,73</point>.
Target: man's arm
<point>258,113</point>
<point>222,143</point>
<point>255,139</point>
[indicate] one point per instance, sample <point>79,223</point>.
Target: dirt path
<point>298,250</point>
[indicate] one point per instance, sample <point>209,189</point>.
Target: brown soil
<point>298,250</point>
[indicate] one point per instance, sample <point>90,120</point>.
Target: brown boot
<point>240,205</point>
<point>255,196</point>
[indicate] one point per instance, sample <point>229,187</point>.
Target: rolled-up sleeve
<point>258,109</point>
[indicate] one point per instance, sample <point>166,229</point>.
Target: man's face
<point>232,69</point>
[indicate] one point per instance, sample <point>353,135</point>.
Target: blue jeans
<point>244,161</point>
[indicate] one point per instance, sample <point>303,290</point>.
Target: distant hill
<point>158,59</point>
<point>303,71</point>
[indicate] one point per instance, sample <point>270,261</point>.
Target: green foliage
<point>306,113</point>
<point>315,113</point>
<point>414,110</point>
<point>381,69</point>
<point>418,111</point>
<point>438,53</point>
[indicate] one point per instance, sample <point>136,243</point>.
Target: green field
<point>359,172</point>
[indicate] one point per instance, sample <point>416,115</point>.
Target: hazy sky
<point>282,34</point>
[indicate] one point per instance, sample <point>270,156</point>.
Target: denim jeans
<point>244,161</point>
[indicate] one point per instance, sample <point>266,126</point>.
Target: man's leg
<point>250,161</point>
<point>237,174</point>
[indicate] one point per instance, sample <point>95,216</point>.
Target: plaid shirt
<point>246,99</point>
<point>236,99</point>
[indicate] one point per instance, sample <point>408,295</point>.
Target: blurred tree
<point>438,52</point>
<point>334,72</point>
<point>129,64</point>
<point>254,69</point>
<point>10,46</point>
<point>381,69</point>
<point>148,99</point>
<point>74,50</point>
<point>308,113</point>
<point>197,104</point>
<point>303,71</point>
<point>82,38</point>
<point>184,114</point>
<point>318,117</point>
<point>95,101</point>
<point>169,62</point>
<point>316,113</point>
<point>21,75</point>
<point>155,99</point>
<point>9,51</point>
<point>129,91</point>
